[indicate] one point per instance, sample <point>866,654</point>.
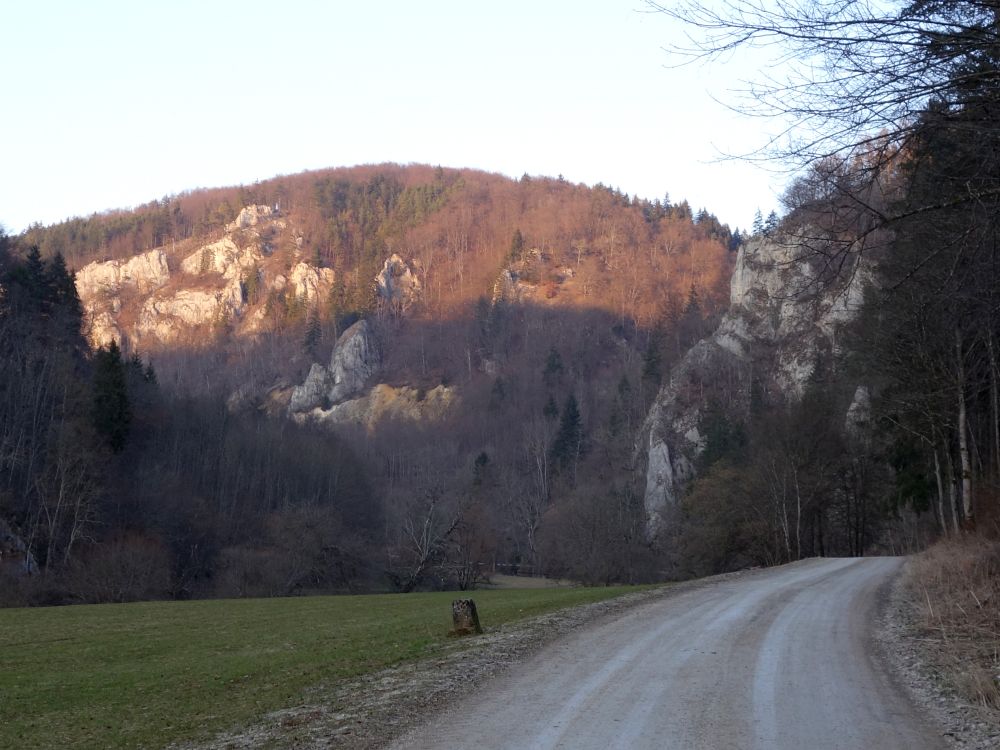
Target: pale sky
<point>112,104</point>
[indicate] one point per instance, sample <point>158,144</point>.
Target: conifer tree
<point>568,442</point>
<point>314,332</point>
<point>111,411</point>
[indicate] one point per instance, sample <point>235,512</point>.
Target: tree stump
<point>465,618</point>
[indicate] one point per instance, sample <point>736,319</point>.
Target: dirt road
<point>779,659</point>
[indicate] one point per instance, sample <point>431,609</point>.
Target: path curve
<point>781,659</point>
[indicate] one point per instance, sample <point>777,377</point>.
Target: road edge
<point>901,647</point>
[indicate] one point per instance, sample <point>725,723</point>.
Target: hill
<point>499,344</point>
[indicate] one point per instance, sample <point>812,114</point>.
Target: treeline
<point>916,211</point>
<point>113,490</point>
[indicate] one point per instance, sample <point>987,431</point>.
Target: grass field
<point>146,675</point>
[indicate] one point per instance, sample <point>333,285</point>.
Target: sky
<point>113,104</point>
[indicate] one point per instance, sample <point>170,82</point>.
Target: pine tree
<point>568,442</point>
<point>516,246</point>
<point>314,332</point>
<point>758,224</point>
<point>111,411</point>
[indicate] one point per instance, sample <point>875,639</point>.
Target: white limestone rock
<point>314,392</point>
<point>356,357</point>
<point>779,322</point>
<point>143,273</point>
<point>168,318</point>
<point>224,257</point>
<point>250,216</point>
<point>397,285</point>
<point>102,329</point>
<point>310,283</point>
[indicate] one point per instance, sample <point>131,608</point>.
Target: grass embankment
<point>148,674</point>
<point>956,587</point>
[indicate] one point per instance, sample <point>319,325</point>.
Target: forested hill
<point>487,348</point>
<point>458,224</point>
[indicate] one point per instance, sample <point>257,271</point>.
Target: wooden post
<point>465,618</point>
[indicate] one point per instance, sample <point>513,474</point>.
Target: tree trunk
<point>995,404</point>
<point>963,435</point>
<point>952,493</point>
<point>940,490</point>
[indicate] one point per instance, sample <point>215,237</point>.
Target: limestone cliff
<point>356,357</point>
<point>781,321</point>
<point>397,285</point>
<point>180,295</point>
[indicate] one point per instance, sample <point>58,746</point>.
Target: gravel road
<point>780,659</point>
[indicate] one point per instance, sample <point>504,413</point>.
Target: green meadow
<point>152,673</point>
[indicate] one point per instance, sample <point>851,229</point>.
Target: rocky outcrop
<point>167,318</point>
<point>781,322</point>
<point>384,402</point>
<point>509,288</point>
<point>224,257</point>
<point>101,284</point>
<point>356,357</point>
<point>250,216</point>
<point>397,285</point>
<point>309,283</point>
<point>227,281</point>
<point>142,273</point>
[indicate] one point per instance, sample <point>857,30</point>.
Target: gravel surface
<point>780,660</point>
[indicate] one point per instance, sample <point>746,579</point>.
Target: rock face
<point>779,325</point>
<point>356,357</point>
<point>337,394</point>
<point>385,402</point>
<point>143,273</point>
<point>167,318</point>
<point>224,257</point>
<point>397,285</point>
<point>229,282</point>
<point>101,284</point>
<point>309,283</point>
<point>250,216</point>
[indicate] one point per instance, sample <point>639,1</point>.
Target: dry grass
<point>956,587</point>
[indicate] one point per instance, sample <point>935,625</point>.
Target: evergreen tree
<point>735,241</point>
<point>568,442</point>
<point>652,359</point>
<point>111,411</point>
<point>758,224</point>
<point>314,332</point>
<point>516,246</point>
<point>771,224</point>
